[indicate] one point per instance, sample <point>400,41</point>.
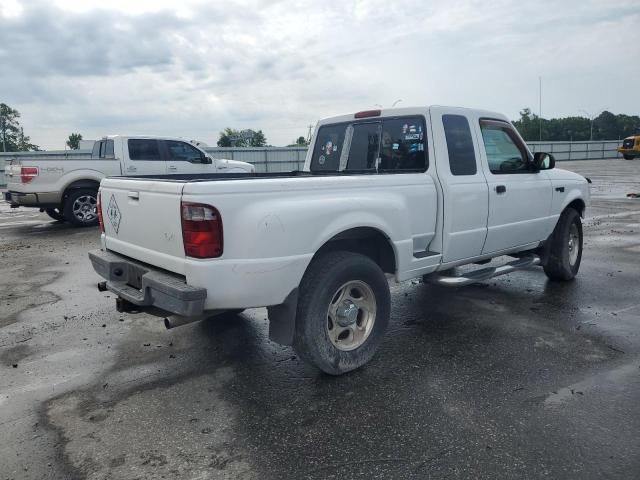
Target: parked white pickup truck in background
<point>398,193</point>
<point>67,188</point>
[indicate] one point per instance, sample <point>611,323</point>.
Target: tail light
<point>368,113</point>
<point>99,206</point>
<point>28,173</point>
<point>201,230</point>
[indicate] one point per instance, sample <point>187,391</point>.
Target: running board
<point>485,273</point>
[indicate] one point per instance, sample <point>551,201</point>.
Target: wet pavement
<point>517,377</point>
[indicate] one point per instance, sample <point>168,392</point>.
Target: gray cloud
<point>50,41</point>
<point>280,65</point>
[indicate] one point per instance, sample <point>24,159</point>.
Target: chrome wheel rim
<point>574,244</point>
<point>85,208</point>
<point>351,315</point>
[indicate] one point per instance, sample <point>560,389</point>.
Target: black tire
<point>55,213</point>
<point>562,259</point>
<point>628,157</point>
<point>319,291</point>
<point>80,207</point>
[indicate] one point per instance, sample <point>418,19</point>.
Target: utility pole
<point>540,106</point>
<point>4,143</point>
<point>310,127</point>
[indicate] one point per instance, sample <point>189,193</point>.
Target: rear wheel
<point>55,213</point>
<point>565,247</point>
<point>80,207</point>
<point>628,157</point>
<point>343,311</point>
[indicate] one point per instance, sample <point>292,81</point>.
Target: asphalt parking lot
<point>517,377</point>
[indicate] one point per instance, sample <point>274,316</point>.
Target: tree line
<point>606,126</point>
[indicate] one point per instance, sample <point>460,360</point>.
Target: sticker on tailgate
<point>113,212</point>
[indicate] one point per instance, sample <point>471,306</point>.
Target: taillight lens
<point>28,173</point>
<point>368,113</point>
<point>99,206</point>
<point>201,230</point>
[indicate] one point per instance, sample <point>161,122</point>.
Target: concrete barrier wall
<point>283,159</point>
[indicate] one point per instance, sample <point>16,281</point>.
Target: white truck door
<point>183,157</point>
<point>519,198</point>
<point>142,156</point>
<point>465,191</point>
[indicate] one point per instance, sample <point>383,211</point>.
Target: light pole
<point>591,120</point>
<point>540,107</point>
<point>4,143</point>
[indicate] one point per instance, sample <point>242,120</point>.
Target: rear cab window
<point>385,145</point>
<point>103,149</point>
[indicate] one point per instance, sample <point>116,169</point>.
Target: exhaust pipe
<point>174,321</point>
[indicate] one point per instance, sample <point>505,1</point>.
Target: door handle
<point>173,168</point>
<point>560,189</point>
<point>134,195</point>
<point>131,169</point>
<point>501,189</point>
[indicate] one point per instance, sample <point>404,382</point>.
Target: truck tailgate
<point>142,220</point>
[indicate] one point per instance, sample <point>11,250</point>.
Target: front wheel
<point>343,312</point>
<point>81,207</point>
<point>565,247</point>
<point>628,157</point>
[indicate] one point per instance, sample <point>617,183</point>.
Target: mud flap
<point>282,319</point>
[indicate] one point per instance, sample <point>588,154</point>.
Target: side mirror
<point>543,161</point>
<point>205,160</point>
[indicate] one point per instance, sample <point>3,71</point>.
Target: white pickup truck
<point>397,193</point>
<point>66,188</point>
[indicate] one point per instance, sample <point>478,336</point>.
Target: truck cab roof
<point>405,111</point>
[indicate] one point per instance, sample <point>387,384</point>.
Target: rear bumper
<point>146,286</point>
<point>43,199</point>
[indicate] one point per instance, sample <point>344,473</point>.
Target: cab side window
<point>144,149</point>
<point>462,157</point>
<point>182,151</point>
<point>505,151</point>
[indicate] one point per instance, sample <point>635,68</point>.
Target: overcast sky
<point>190,68</point>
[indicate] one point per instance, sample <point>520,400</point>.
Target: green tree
<point>230,137</point>
<point>12,137</point>
<point>258,139</point>
<point>74,141</point>
<point>528,125</point>
<point>299,142</point>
